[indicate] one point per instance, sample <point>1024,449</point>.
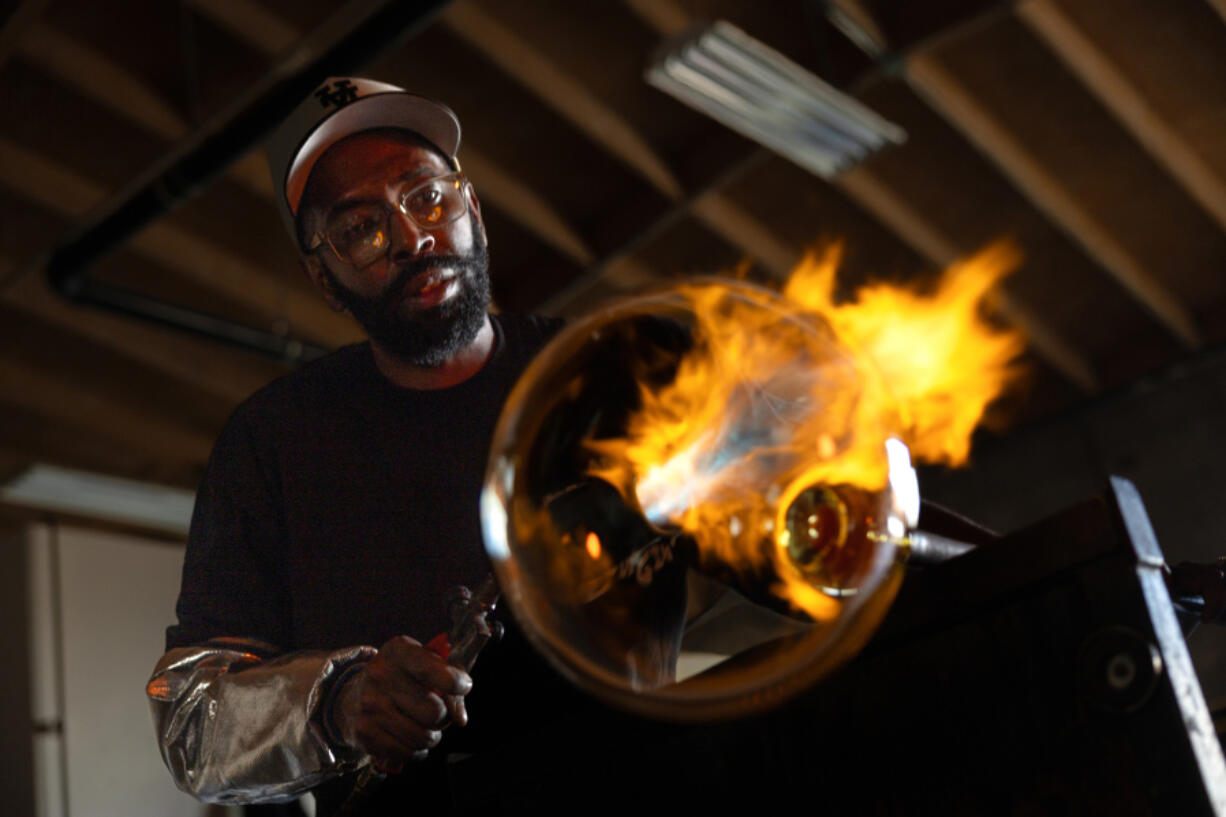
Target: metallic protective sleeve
<point>234,728</point>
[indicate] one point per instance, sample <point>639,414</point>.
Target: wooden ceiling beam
<point>933,82</point>
<point>874,195</point>
<point>572,101</point>
<point>623,273</point>
<point>101,79</point>
<point>271,34</point>
<point>49,394</point>
<point>59,189</point>
<point>21,18</point>
<point>665,16</point>
<point>31,438</point>
<point>1220,7</point>
<point>1105,81</point>
<point>519,202</point>
<point>250,22</point>
<point>557,88</point>
<point>746,233</point>
<point>877,198</point>
<point>161,350</point>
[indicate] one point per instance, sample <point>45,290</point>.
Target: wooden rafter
<point>959,107</point>
<point>665,16</point>
<point>101,79</point>
<point>878,198</point>
<point>250,22</point>
<point>60,190</point>
<point>894,213</point>
<point>1220,7</point>
<point>1134,112</point>
<point>746,233</point>
<point>584,110</point>
<point>267,32</point>
<point>577,103</point>
<point>522,204</point>
<point>624,274</point>
<point>53,396</point>
<point>165,351</point>
<point>21,18</point>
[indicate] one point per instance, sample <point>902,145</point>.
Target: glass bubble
<point>733,573</point>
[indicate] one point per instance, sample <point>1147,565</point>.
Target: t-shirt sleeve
<point>234,579</point>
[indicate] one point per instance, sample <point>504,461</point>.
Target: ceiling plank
<point>875,196</point>
<point>754,238</point>
<point>250,22</point>
<point>33,438</point>
<point>1104,80</point>
<point>60,190</point>
<point>51,395</point>
<point>101,79</point>
<point>522,204</point>
<point>162,350</point>
<point>575,103</point>
<point>1220,7</point>
<point>948,97</point>
<point>625,274</point>
<point>665,16</point>
<point>630,274</point>
<point>271,34</point>
<point>746,233</point>
<point>569,97</point>
<point>21,18</point>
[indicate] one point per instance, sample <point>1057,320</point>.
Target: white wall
<point>117,596</point>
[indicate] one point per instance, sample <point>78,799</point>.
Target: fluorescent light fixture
<point>101,497</point>
<point>753,89</point>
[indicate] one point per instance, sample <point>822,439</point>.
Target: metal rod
<point>154,310</point>
<point>930,548</point>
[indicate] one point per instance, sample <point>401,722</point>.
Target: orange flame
<point>779,395</point>
<point>941,361</point>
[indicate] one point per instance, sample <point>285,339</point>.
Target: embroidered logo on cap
<point>337,94</point>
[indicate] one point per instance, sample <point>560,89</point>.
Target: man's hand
<point>395,707</point>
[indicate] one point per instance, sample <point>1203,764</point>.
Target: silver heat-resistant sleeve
<point>234,728</point>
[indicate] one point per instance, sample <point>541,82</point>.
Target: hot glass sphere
<point>693,505</point>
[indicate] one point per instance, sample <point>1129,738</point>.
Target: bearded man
<point>340,505</point>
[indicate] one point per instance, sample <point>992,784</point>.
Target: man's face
<point>426,298</point>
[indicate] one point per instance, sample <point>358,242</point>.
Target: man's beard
<point>430,336</point>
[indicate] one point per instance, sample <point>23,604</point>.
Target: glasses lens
<point>359,234</point>
<point>436,202</point>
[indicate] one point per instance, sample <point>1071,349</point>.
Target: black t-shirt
<point>339,509</point>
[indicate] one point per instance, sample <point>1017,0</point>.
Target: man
<point>339,507</point>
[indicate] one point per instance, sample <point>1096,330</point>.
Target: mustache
<point>415,267</point>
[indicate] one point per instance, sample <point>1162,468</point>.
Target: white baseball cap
<point>342,106</point>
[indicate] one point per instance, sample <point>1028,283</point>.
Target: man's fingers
<point>426,667</point>
<point>456,709</point>
<point>421,705</point>
<point>398,739</point>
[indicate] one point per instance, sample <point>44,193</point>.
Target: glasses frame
<point>321,237</point>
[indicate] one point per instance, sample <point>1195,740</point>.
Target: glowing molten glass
<point>694,497</point>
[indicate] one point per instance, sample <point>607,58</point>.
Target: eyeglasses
<point>360,235</point>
